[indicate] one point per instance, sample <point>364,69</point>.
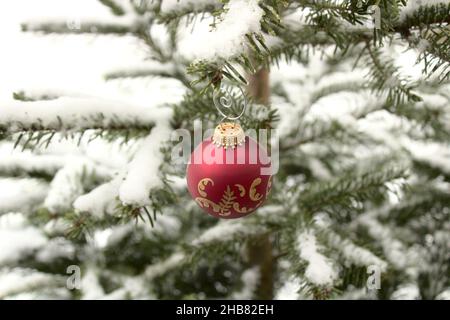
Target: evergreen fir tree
<point>363,186</point>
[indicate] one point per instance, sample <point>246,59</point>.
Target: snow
<point>353,293</point>
<point>21,194</point>
<point>111,236</point>
<point>224,231</point>
<point>406,292</point>
<point>320,271</point>
<point>70,182</point>
<point>55,227</point>
<point>132,288</point>
<point>435,154</point>
<point>18,238</point>
<point>177,183</point>
<point>270,210</point>
<point>400,257</point>
<point>433,101</point>
<point>143,171</point>
<point>54,249</point>
<point>318,169</point>
<point>341,77</point>
<point>161,268</point>
<point>287,111</point>
<point>72,113</point>
<point>444,295</point>
<point>101,200</point>
<point>228,38</point>
<point>289,290</point>
<point>110,154</point>
<point>250,279</point>
<point>169,6</point>
<point>140,69</point>
<point>15,160</point>
<point>90,285</point>
<point>413,5</point>
<point>355,254</point>
<point>15,281</point>
<point>167,226</point>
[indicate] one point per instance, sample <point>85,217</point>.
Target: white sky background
<point>68,63</point>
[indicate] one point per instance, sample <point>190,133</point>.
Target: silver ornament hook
<point>226,100</point>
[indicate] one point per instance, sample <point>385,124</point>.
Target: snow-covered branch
<point>320,270</point>
<point>67,113</point>
<point>227,40</point>
<point>144,170</point>
<point>71,181</point>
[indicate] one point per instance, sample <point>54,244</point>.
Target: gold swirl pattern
<point>227,202</point>
<point>241,189</point>
<point>202,202</point>
<point>238,209</point>
<point>254,196</point>
<point>202,185</point>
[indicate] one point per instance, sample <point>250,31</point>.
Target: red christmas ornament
<point>228,175</point>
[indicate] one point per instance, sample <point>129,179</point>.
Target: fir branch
<point>37,135</point>
<point>113,6</point>
<point>343,86</point>
<point>80,224</point>
<point>347,191</point>
<point>426,17</point>
<point>171,72</point>
<point>23,96</point>
<point>189,13</point>
<point>384,76</point>
<point>347,10</point>
<point>434,48</point>
<point>419,201</point>
<point>423,117</point>
<point>138,74</point>
<point>78,27</point>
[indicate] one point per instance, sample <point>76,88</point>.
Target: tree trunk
<point>259,253</point>
<point>258,87</point>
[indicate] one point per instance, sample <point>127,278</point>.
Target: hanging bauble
<point>228,174</point>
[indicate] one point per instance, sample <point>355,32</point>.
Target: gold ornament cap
<point>228,135</point>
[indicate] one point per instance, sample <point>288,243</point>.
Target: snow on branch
<point>161,268</point>
<point>227,40</point>
<point>91,289</point>
<point>14,161</point>
<point>137,71</point>
<point>71,181</point>
<point>116,25</point>
<point>144,170</point>
<point>17,237</point>
<point>225,231</point>
<point>101,200</point>
<point>353,253</point>
<point>250,279</point>
<point>434,154</point>
<point>395,251</point>
<point>290,290</point>
<point>413,6</point>
<point>170,6</point>
<point>16,281</point>
<point>21,194</point>
<point>73,113</point>
<point>320,271</point>
<point>56,248</point>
